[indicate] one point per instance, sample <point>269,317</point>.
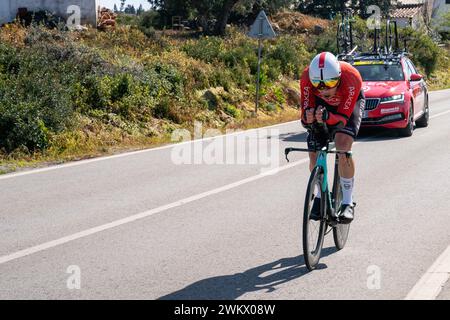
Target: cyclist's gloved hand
<point>321,114</point>
<point>309,115</point>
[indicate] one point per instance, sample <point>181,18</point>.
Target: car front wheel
<point>423,121</point>
<point>409,129</point>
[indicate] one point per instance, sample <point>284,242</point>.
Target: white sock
<point>347,190</point>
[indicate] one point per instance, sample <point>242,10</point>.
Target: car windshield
<point>381,72</point>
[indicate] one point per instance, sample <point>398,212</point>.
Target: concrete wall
<point>439,9</point>
<point>417,22</point>
<point>8,8</point>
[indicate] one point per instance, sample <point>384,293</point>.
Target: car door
<point>417,88</point>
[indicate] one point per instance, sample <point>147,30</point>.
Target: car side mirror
<point>416,77</point>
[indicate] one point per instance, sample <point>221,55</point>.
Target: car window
<point>408,70</point>
<point>411,65</point>
<point>380,72</point>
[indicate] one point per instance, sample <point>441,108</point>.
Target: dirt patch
<point>295,22</point>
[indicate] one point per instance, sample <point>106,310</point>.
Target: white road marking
<point>125,154</point>
<point>440,114</point>
<point>145,214</point>
<point>85,233</point>
<point>431,283</point>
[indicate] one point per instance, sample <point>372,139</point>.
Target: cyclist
<point>332,97</point>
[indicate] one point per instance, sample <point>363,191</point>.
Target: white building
<point>414,13</point>
<point>88,9</point>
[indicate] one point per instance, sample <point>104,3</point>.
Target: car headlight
<point>397,98</point>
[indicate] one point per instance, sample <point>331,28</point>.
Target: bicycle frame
<point>322,162</point>
<point>329,219</point>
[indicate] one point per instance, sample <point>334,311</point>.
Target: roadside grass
<point>79,145</point>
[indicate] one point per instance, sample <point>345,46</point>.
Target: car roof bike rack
<point>389,52</point>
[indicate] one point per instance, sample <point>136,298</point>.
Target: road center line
<point>431,283</point>
<point>145,214</point>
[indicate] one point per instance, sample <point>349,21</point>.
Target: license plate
<point>365,114</point>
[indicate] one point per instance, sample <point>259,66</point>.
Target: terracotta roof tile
<point>406,12</point>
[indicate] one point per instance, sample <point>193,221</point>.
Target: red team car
<point>396,94</point>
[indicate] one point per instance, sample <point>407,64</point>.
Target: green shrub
<point>21,125</point>
<point>150,32</point>
<point>128,19</point>
<point>34,99</point>
<point>242,76</point>
<point>150,20</point>
<point>208,49</point>
<point>91,93</point>
<point>232,111</point>
<point>241,54</point>
<point>270,107</point>
<point>273,68</point>
<point>425,52</point>
<point>162,109</point>
<point>121,88</point>
<point>222,78</point>
<point>279,95</point>
<point>166,109</point>
<point>170,79</point>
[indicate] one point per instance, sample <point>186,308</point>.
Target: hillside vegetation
<point>70,95</point>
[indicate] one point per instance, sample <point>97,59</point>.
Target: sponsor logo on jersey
<point>351,94</point>
<point>306,92</point>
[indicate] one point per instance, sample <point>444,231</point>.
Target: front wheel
<point>313,230</point>
<point>424,120</point>
<point>409,129</point>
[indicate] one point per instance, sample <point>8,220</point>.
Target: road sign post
<point>258,77</point>
<point>260,29</point>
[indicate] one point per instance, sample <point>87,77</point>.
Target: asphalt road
<point>141,226</point>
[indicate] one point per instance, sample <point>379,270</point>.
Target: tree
<point>362,6</point>
<point>169,8</point>
<point>115,8</point>
<point>211,15</point>
<point>245,11</point>
<point>214,15</point>
<point>130,9</point>
<point>322,8</point>
<point>140,10</point>
<point>329,8</point>
<point>122,5</point>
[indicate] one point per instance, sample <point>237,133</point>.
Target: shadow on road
<point>377,134</point>
<point>294,137</point>
<point>231,287</point>
<point>365,135</point>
